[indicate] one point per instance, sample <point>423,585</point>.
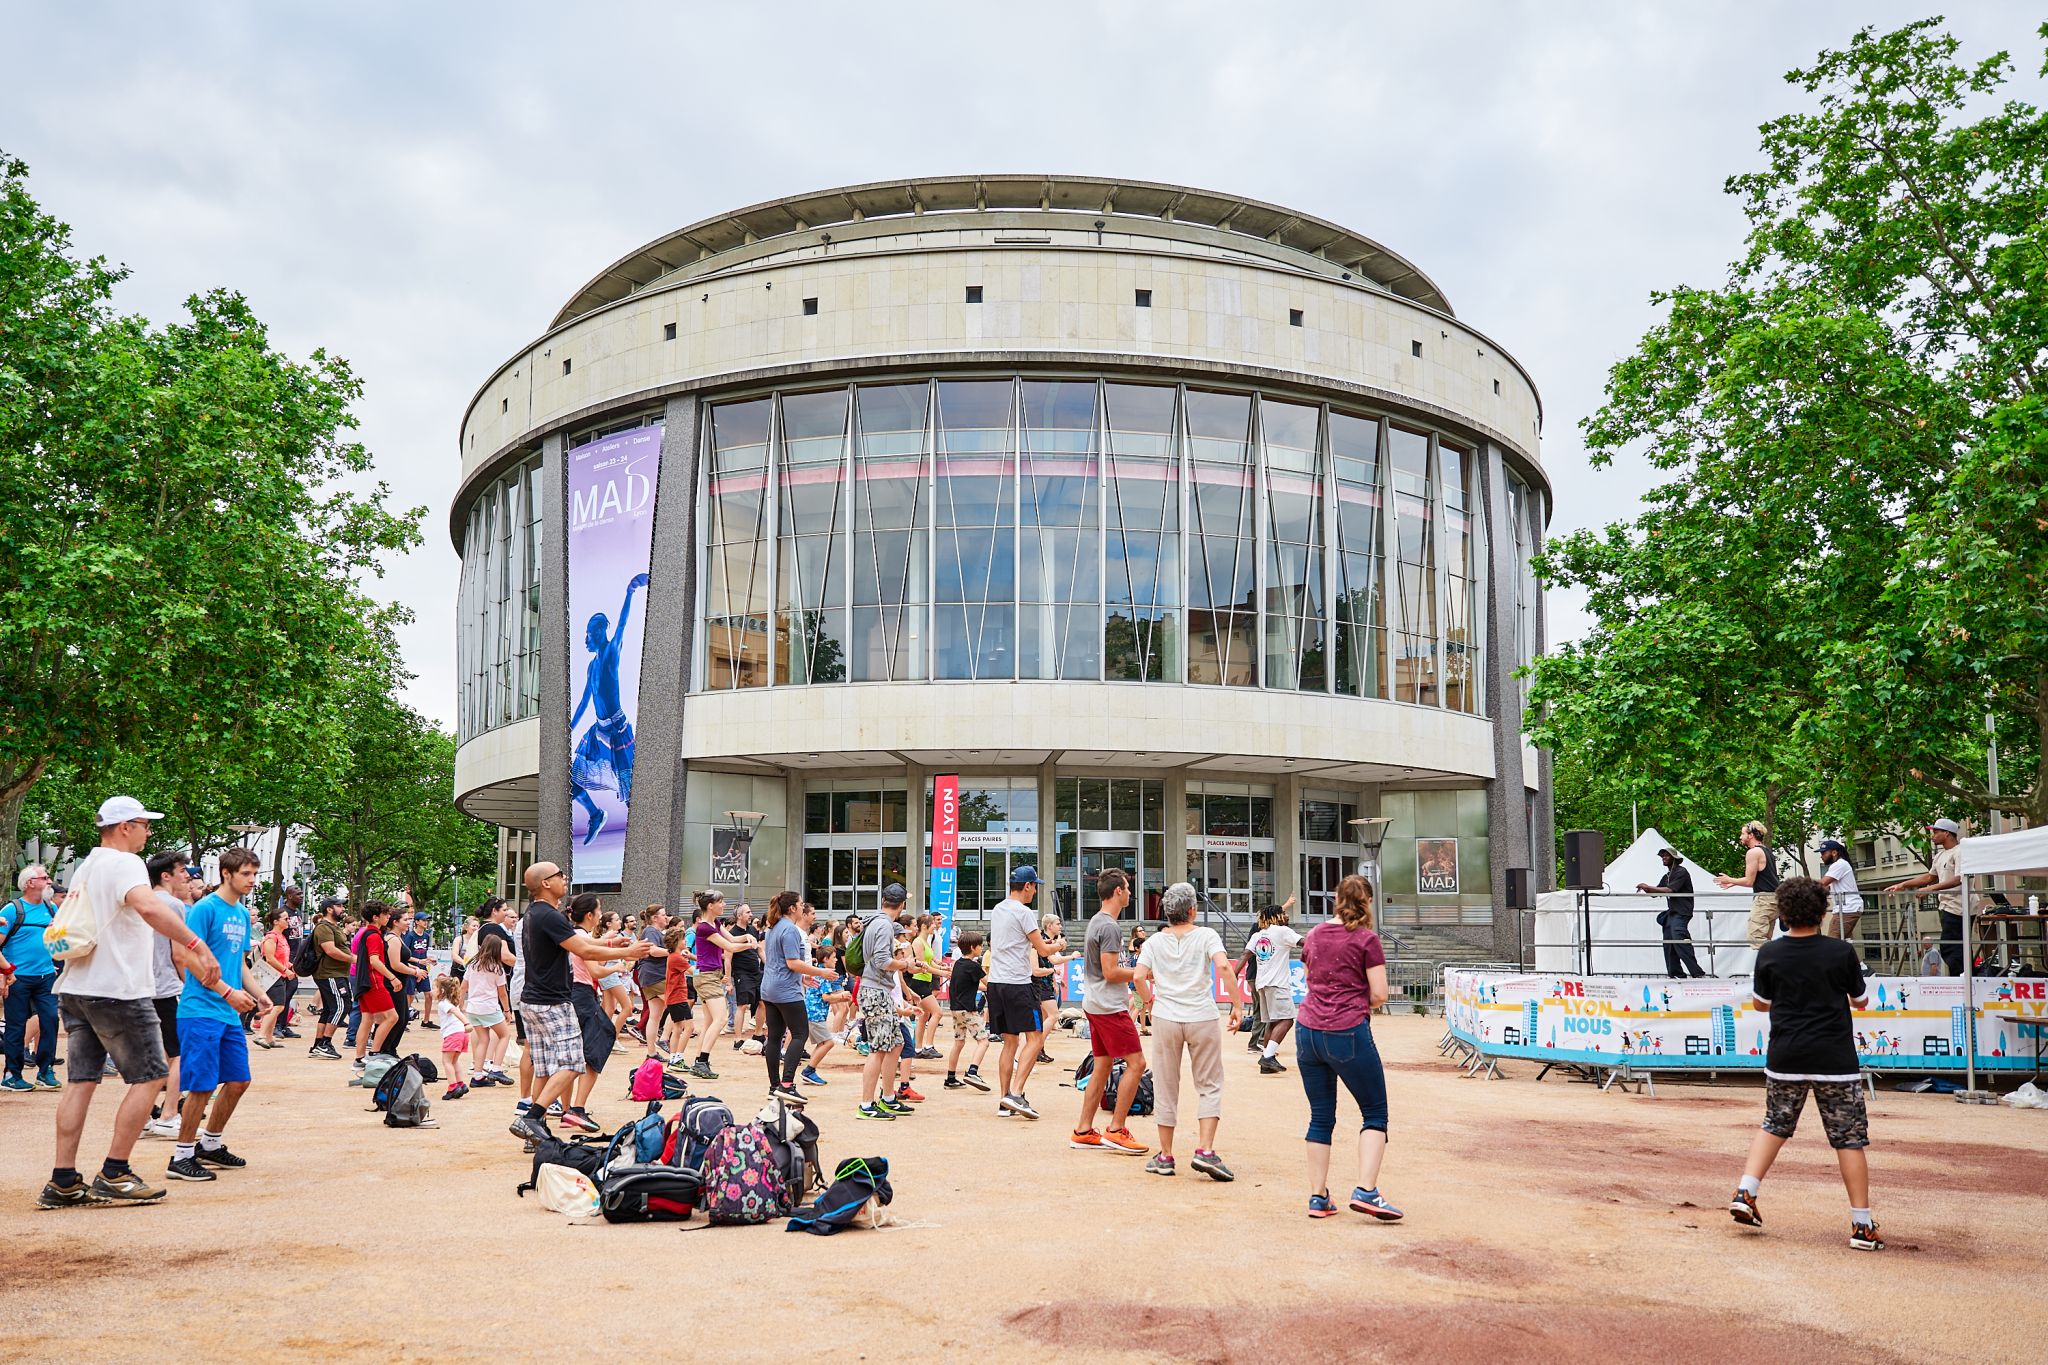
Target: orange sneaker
<point>1120,1140</point>
<point>1089,1141</point>
<point>908,1096</point>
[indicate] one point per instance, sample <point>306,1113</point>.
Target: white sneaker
<point>161,1128</point>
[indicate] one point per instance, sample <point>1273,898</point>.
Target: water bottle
<point>2033,905</point>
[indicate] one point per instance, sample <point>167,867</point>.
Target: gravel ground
<point>1541,1218</point>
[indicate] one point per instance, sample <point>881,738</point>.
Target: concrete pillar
<point>655,828</point>
<point>793,818</point>
<point>554,832</point>
<point>1287,839</point>
<point>1176,842</point>
<point>1507,822</point>
<point>1049,843</point>
<point>915,858</point>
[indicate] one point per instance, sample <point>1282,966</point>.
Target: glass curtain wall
<point>1415,678</point>
<point>1222,540</point>
<point>736,548</point>
<point>1059,544</point>
<point>1141,544</point>
<point>1296,634</point>
<point>811,521</point>
<point>498,601</point>
<point>1359,522</point>
<point>1522,516</point>
<point>890,478</point>
<point>974,536</point>
<point>1464,651</point>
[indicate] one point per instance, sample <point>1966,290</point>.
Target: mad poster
<point>611,535</point>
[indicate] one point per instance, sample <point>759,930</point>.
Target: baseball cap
<point>894,894</point>
<point>1026,875</point>
<point>1945,826</point>
<point>117,810</point>
<point>1833,846</point>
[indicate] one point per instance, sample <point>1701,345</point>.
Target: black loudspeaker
<point>1585,859</point>
<point>1521,888</point>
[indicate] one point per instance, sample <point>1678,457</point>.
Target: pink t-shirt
<point>1336,958</point>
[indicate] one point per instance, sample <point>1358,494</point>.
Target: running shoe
<point>1160,1164</point>
<point>788,1094</point>
<point>1044,1058</point>
<point>1319,1206</point>
<point>955,1083</point>
<point>974,1079</point>
<point>324,1050</point>
<point>481,1080</point>
<point>220,1156</point>
<point>500,1077</point>
<point>633,1032</point>
<point>188,1168</point>
<point>554,1109</point>
<point>872,1111</point>
<point>1018,1105</point>
<point>896,1107</point>
<point>165,1127</point>
<point>1270,1066</point>
<point>702,1071</point>
<point>46,1079</point>
<point>1211,1165</point>
<point>1742,1207</point>
<point>357,1065</point>
<point>522,1106</point>
<point>1120,1141</point>
<point>908,1096</point>
<point>284,1032</point>
<point>1373,1203</point>
<point>928,1054</point>
<point>125,1188</point>
<point>15,1085</point>
<point>1089,1141</point>
<point>1864,1237</point>
<point>76,1195</point>
<point>526,1126</point>
<point>576,1118</point>
<point>809,1076</point>
<point>454,1092</point>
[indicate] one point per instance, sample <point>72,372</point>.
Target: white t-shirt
<point>170,982</point>
<point>1270,949</point>
<point>1179,964</point>
<point>1841,884</point>
<point>450,1019</point>
<point>123,965</point>
<point>1010,959</point>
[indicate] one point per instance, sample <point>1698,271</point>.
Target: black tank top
<point>1767,876</point>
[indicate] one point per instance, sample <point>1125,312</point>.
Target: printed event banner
<point>611,537</point>
<point>1912,1024</point>
<point>945,854</point>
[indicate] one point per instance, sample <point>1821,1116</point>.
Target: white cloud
<point>419,188</point>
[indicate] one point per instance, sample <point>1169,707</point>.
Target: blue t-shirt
<point>778,982</point>
<point>223,926</point>
<point>27,951</point>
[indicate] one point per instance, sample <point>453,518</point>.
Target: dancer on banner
<point>603,758</point>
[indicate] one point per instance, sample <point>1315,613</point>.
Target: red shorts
<point>377,1000</point>
<point>1113,1035</point>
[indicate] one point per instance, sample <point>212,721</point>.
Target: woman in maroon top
<point>1347,981</point>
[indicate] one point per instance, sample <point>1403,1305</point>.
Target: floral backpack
<point>743,1180</point>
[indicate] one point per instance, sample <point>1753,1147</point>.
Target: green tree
<point>184,535</point>
<point>1846,571</point>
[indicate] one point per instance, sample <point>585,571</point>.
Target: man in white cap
<point>109,1008</point>
<point>1946,882</point>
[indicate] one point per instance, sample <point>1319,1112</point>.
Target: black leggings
<point>785,1017</point>
<point>331,1002</point>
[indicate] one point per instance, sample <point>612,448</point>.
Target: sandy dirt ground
<point>1542,1219</point>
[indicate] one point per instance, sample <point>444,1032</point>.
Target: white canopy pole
<point>1969,1095</point>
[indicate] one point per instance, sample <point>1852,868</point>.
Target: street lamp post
<point>1371,832</point>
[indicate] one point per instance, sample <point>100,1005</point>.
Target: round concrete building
<point>1186,530</point>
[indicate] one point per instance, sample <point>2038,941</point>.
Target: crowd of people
<point>167,985</point>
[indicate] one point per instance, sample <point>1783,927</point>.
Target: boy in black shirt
<point>963,991</point>
<point>1808,983</point>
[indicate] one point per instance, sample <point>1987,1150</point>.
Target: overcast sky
<point>420,187</point>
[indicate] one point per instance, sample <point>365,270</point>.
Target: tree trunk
<point>277,870</point>
<point>10,831</point>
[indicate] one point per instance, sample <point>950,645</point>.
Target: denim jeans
<point>1347,1055</point>
<point>31,995</point>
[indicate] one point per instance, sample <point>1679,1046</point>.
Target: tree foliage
<point>1848,568</point>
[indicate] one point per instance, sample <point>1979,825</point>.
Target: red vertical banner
<point>945,854</point>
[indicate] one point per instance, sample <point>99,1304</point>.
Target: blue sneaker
<point>46,1079</point>
<point>811,1077</point>
<point>16,1084</point>
<point>1373,1203</point>
<point>1319,1206</point>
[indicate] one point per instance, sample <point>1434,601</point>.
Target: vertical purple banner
<point>611,536</point>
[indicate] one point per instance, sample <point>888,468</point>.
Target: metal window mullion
<point>846,465</point>
<point>1390,555</point>
<point>1262,533</point>
<point>1183,475</point>
<point>700,663</point>
<point>1102,537</point>
<point>1017,532</point>
<point>930,517</point>
<point>1326,452</point>
<point>771,504</point>
<point>1479,543</point>
<point>1438,506</point>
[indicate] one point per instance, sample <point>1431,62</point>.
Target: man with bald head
<point>554,1039</point>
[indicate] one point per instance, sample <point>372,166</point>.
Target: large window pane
<point>1415,675</point>
<point>1059,545</point>
<point>1295,631</point>
<point>1222,569</point>
<point>890,475</point>
<point>1361,610</point>
<point>1462,653</point>
<point>736,557</point>
<point>810,621</point>
<point>974,534</point>
<point>1141,536</point>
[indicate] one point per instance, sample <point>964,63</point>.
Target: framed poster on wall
<point>1436,867</point>
<point>731,857</point>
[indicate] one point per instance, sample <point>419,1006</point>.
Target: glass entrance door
<point>1320,873</point>
<point>849,875</point>
<point>1093,862</point>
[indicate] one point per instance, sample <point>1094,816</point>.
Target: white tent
<point>2021,850</point>
<point>1625,930</point>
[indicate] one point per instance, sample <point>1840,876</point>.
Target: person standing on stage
<point>1946,882</point>
<point>1675,919</point>
<point>1845,904</point>
<point>1760,875</point>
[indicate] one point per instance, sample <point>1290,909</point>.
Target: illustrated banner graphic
<point>611,536</point>
<point>945,854</point>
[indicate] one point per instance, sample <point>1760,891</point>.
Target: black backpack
<point>581,1153</point>
<point>1141,1107</point>
<point>306,957</point>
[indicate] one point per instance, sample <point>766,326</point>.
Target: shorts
<point>599,1037</point>
<point>678,1013</point>
<point>615,982</point>
<point>553,1039</point>
<point>1276,1003</point>
<point>1012,1008</point>
<point>486,1016</point>
<point>920,989</point>
<point>710,985</point>
<point>1113,1035</point>
<point>167,1024</point>
<point>281,990</point>
<point>457,1041</point>
<point>96,1028</point>
<point>1842,1116</point>
<point>968,1024</point>
<point>821,1032</point>
<point>878,1016</point>
<point>746,992</point>
<point>1042,988</point>
<point>216,1054</point>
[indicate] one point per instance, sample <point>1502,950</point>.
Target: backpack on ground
<point>580,1153</point>
<point>656,1193</point>
<point>1140,1107</point>
<point>646,1084</point>
<point>702,1119</point>
<point>375,1066</point>
<point>407,1107</point>
<point>857,1183</point>
<point>743,1184</point>
<point>639,1142</point>
<point>568,1192</point>
<point>793,1138</point>
<point>306,957</point>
